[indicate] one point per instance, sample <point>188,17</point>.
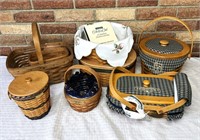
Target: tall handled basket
<point>158,95</point>
<point>54,59</point>
<point>163,54</point>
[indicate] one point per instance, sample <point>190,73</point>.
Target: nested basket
<point>31,93</point>
<point>163,54</point>
<point>54,58</point>
<point>82,89</point>
<point>104,70</point>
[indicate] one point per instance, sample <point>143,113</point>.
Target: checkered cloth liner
<point>165,65</point>
<point>172,47</point>
<point>162,87</point>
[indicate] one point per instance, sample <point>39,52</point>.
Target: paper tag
<point>139,113</point>
<point>100,32</point>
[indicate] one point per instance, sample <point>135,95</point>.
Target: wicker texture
<point>54,59</point>
<point>163,54</point>
<point>83,104</point>
<point>104,70</point>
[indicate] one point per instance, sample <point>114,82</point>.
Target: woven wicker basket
<point>54,58</point>
<point>87,103</point>
<point>31,93</point>
<point>163,95</point>
<point>104,70</point>
<point>163,54</point>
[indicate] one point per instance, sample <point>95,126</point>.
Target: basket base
<point>39,117</point>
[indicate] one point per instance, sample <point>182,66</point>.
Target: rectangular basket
<point>162,96</point>
<point>54,59</point>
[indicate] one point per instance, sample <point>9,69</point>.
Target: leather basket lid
<point>164,47</point>
<point>28,83</point>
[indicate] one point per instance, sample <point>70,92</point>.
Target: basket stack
<point>161,54</point>
<point>31,93</point>
<point>104,69</point>
<point>82,89</point>
<point>54,58</point>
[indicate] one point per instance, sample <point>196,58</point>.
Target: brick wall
<point>58,20</point>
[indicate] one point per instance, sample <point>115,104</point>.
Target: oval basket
<point>76,102</point>
<point>163,54</point>
<point>34,105</point>
<point>54,59</point>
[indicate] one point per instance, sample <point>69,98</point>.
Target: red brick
<point>151,13</point>
<point>149,34</point>
<point>7,40</point>
<point>94,3</point>
<point>50,4</point>
<point>34,16</point>
<point>15,4</point>
<point>69,40</point>
<point>58,28</point>
<point>198,25</point>
<point>179,2</point>
<point>5,51</point>
<point>129,3</point>
<point>193,12</point>
<point>176,26</point>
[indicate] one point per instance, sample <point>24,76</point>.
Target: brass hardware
<point>28,80</point>
<point>146,83</point>
<point>164,42</point>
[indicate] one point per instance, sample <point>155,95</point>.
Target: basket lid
<point>28,83</point>
<point>164,47</point>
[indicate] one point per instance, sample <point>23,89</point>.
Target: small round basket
<point>31,93</point>
<point>82,89</point>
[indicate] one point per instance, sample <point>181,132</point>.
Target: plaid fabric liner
<point>130,84</point>
<point>166,64</point>
<point>172,47</point>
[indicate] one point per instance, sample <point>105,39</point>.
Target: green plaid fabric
<point>158,65</point>
<point>158,87</point>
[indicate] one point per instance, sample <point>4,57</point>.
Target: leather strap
<point>116,94</point>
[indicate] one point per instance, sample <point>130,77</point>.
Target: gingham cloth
<point>158,65</point>
<point>161,87</point>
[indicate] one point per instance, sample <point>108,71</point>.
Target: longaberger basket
<point>31,93</point>
<point>53,58</point>
<point>163,54</point>
<point>82,89</point>
<point>138,95</point>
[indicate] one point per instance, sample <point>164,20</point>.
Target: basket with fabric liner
<point>53,58</point>
<point>123,45</point>
<point>31,93</point>
<point>82,89</point>
<point>105,69</point>
<point>163,95</point>
<point>163,54</point>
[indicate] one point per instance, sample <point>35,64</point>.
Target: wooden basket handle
<point>171,18</point>
<point>116,94</point>
<point>85,68</point>
<point>36,42</point>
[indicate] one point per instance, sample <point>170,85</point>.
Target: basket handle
<point>82,67</point>
<point>116,94</point>
<point>36,42</point>
<point>171,18</point>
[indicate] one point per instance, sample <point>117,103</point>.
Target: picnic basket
<point>163,54</point>
<point>53,58</point>
<point>82,89</point>
<point>31,93</point>
<point>163,95</point>
<point>104,70</point>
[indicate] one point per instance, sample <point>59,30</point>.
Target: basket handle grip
<point>85,68</point>
<point>36,42</point>
<point>116,94</point>
<point>171,18</point>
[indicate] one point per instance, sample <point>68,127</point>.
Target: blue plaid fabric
<point>159,87</point>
